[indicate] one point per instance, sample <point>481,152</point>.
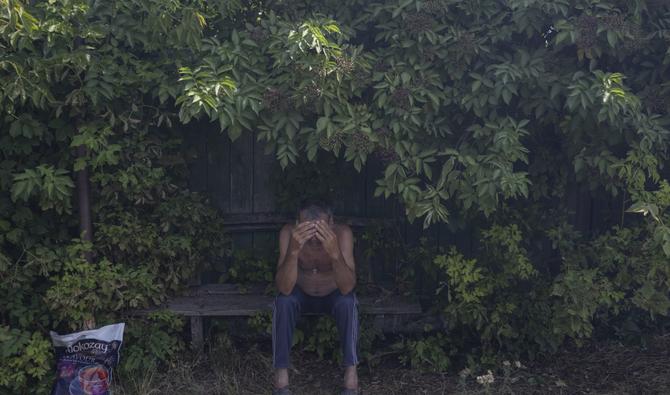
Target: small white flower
<point>506,364</point>
<point>486,379</point>
<point>464,373</point>
<point>518,364</point>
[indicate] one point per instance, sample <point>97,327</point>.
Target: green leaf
<point>234,132</point>
<point>235,38</point>
<point>322,123</point>
<point>666,249</point>
<point>400,7</point>
<point>561,36</point>
<point>475,85</point>
<point>611,38</point>
<point>645,208</point>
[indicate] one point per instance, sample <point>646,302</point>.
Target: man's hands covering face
<point>328,238</point>
<point>319,229</point>
<point>300,234</point>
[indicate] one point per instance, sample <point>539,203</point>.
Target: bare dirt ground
<point>603,368</point>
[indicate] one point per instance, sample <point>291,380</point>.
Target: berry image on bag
<point>84,360</point>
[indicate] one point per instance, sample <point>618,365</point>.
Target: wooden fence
<point>238,179</point>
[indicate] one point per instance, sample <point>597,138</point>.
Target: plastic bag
<point>84,360</point>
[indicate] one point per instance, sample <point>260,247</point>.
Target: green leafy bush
<point>245,268</point>
<point>27,361</point>
<point>152,341</point>
<point>431,353</point>
<point>492,114</point>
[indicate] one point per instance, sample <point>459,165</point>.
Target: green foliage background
<point>486,112</point>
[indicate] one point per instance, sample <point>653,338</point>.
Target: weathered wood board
<point>236,305</point>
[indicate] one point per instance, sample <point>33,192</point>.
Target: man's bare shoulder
<point>287,228</point>
<point>343,230</point>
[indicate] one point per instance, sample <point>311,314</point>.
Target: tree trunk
<point>85,225</point>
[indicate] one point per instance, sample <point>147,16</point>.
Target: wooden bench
<point>390,313</point>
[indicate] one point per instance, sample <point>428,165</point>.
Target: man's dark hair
<point>314,208</point>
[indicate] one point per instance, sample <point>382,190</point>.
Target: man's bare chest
<point>310,259</point>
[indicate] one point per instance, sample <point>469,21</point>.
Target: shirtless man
<point>316,273</point>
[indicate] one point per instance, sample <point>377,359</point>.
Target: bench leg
<point>197,334</point>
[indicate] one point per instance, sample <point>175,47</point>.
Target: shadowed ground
<point>606,368</point>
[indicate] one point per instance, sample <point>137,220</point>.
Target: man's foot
<point>281,383</point>
<point>350,380</point>
<point>281,378</point>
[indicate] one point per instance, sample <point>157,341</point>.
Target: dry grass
<point>223,370</point>
<point>599,369</point>
<point>611,368</point>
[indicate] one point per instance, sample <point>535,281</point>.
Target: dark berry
<point>400,98</point>
<point>419,22</point>
<point>434,7</point>
<point>587,29</point>
<point>386,155</point>
<point>344,64</point>
<point>274,100</point>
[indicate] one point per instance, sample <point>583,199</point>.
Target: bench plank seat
<point>241,305</point>
<point>390,313</point>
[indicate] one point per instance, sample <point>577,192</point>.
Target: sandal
<point>281,391</point>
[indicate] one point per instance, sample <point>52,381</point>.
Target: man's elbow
<point>347,288</point>
<point>286,291</point>
<point>284,288</point>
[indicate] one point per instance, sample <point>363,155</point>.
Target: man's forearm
<point>345,278</point>
<point>287,273</point>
